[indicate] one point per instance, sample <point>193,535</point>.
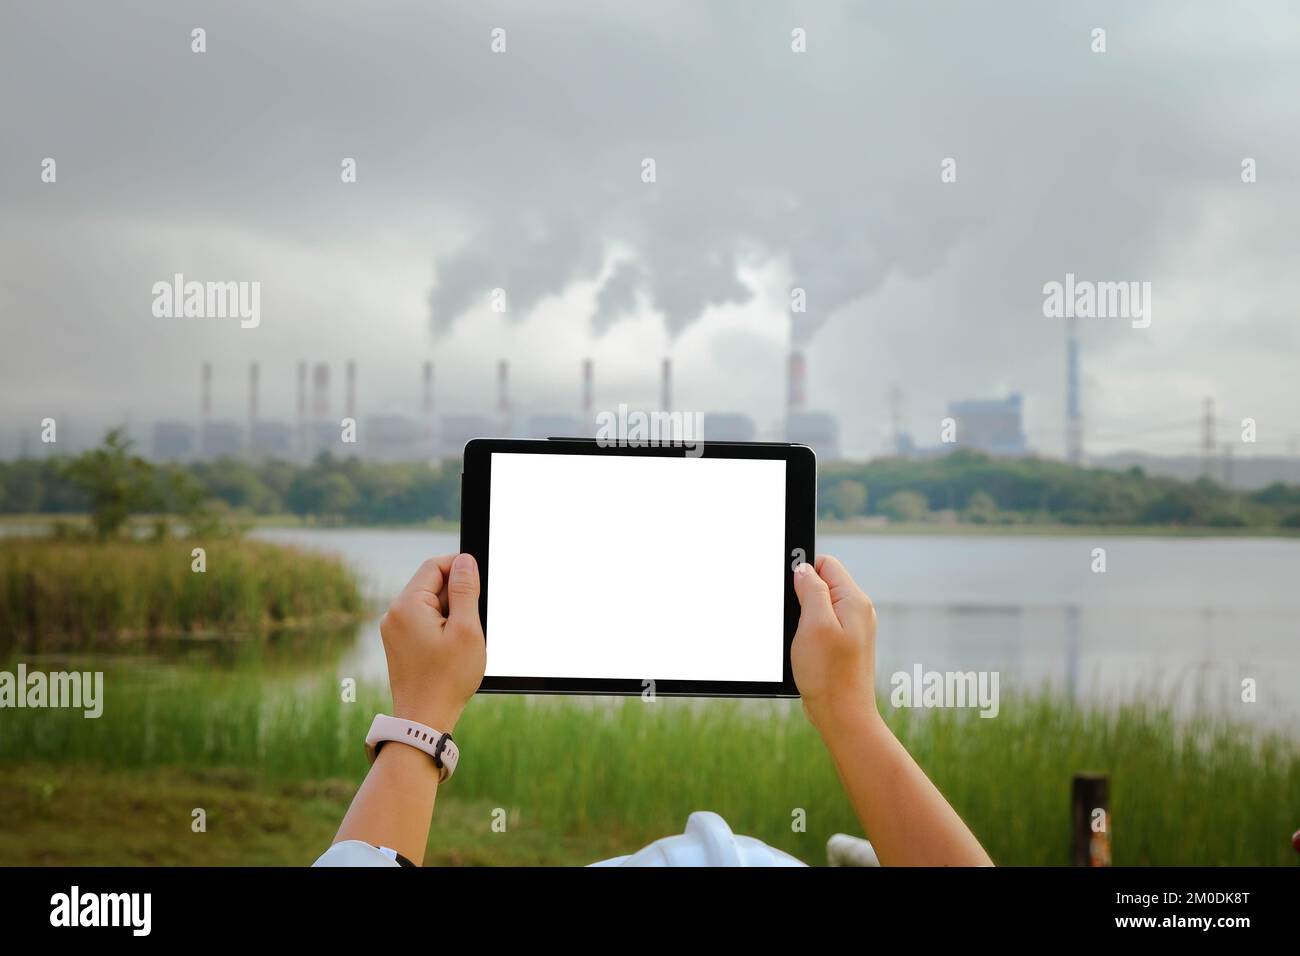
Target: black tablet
<point>627,570</point>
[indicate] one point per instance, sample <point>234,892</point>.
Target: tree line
<point>111,483</point>
<point>978,488</point>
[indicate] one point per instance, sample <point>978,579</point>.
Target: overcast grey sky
<point>522,170</point>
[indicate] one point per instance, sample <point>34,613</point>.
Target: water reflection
<point>1183,620</point>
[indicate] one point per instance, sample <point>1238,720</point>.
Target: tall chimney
<point>1073,410</point>
<point>302,409</point>
<point>426,409</point>
<point>320,394</point>
<point>896,417</point>
<point>503,396</point>
<point>1207,438</point>
<point>588,387</point>
<point>797,374</point>
<point>205,378</point>
<point>252,392</point>
<point>350,407</point>
<point>666,385</point>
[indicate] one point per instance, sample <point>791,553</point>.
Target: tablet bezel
<point>800,532</point>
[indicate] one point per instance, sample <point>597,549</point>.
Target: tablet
<point>633,570</point>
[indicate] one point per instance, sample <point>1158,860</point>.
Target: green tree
<point>317,491</point>
<point>238,484</point>
<point>981,508</point>
<point>336,495</point>
<point>910,506</point>
<point>848,498</point>
<point>115,481</point>
<point>185,495</point>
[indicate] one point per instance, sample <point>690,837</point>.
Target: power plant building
<point>992,426</point>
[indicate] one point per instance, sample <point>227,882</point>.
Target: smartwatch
<point>436,744</point>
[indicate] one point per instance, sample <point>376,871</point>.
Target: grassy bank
<point>143,818</point>
<point>142,525</point>
<point>575,775</point>
<point>70,592</point>
<point>832,526</point>
<point>43,523</point>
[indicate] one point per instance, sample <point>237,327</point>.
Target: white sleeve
<point>356,853</point>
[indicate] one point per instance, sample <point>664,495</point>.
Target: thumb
<point>814,596</point>
<point>462,594</point>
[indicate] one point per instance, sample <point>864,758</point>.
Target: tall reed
<point>67,592</point>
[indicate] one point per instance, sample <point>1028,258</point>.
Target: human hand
<point>433,640</point>
<point>834,651</point>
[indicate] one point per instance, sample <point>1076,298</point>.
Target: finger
<point>428,584</point>
<point>462,594</point>
<point>837,578</point>
<point>849,600</point>
<point>814,596</point>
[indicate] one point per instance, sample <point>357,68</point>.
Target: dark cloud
<point>522,171</point>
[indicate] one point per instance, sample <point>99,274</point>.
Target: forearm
<point>394,806</point>
<point>905,816</point>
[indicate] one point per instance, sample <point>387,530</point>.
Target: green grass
<point>68,592</point>
<point>143,523</point>
<point>609,776</point>
<point>826,526</point>
<point>144,818</point>
<point>832,526</point>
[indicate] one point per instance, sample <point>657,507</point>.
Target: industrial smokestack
<point>1073,411</point>
<point>797,373</point>
<point>896,417</point>
<point>253,383</point>
<point>302,409</point>
<point>426,409</point>
<point>666,385</point>
<point>350,406</point>
<point>503,395</point>
<point>588,387</point>
<point>1207,438</point>
<point>320,396</point>
<point>205,378</point>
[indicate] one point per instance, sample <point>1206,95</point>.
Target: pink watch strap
<point>435,743</point>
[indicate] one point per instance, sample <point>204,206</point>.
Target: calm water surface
<point>1185,618</point>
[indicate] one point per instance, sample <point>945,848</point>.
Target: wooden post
<point>1090,793</point>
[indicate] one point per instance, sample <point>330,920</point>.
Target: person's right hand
<point>834,652</point>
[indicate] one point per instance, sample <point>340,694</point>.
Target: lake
<point>1187,619</point>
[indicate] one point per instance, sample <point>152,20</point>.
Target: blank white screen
<point>636,568</point>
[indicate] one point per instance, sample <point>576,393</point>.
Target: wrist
<point>439,716</point>
<point>839,717</point>
<point>415,764</point>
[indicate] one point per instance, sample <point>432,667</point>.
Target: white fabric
<point>708,841</point>
<point>356,853</point>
